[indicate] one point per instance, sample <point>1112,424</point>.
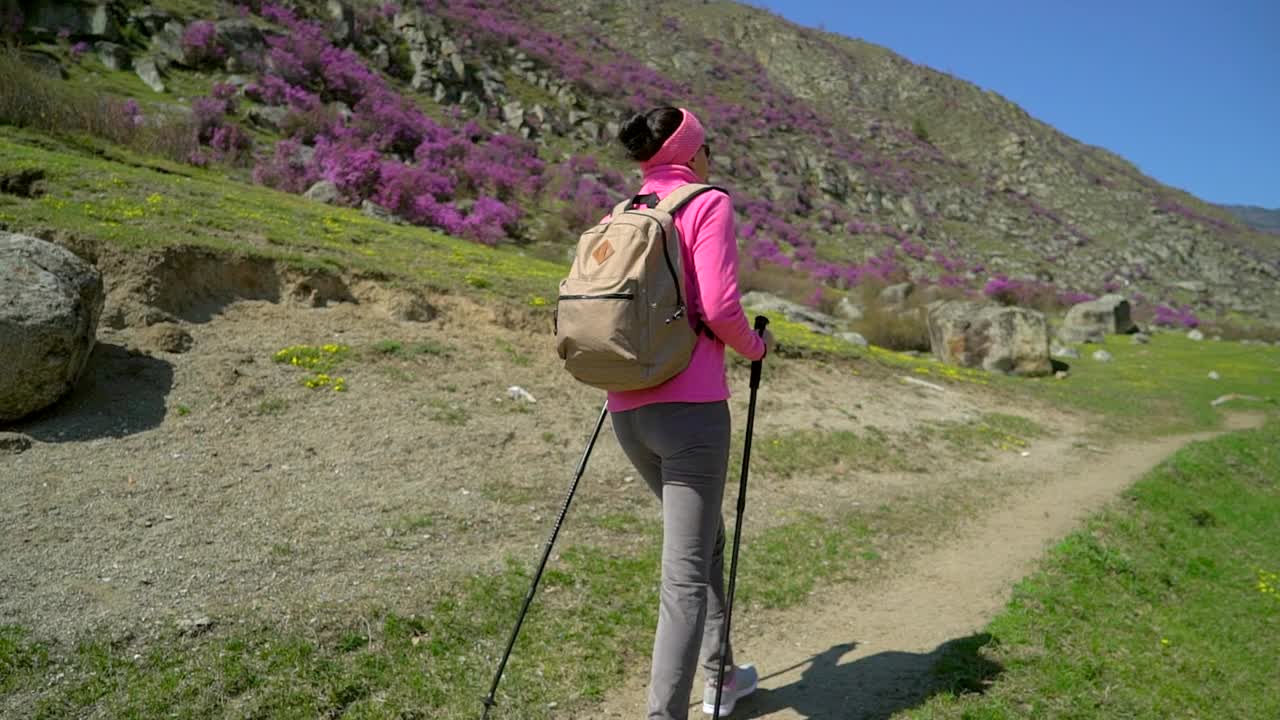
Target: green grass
<point>1164,387</point>
<point>1163,606</point>
<point>115,196</point>
<point>593,623</point>
<point>991,431</point>
<point>834,454</point>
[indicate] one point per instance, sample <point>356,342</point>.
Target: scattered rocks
<point>1103,356</point>
<point>14,443</point>
<point>50,301</point>
<point>1195,335</point>
<point>1140,339</point>
<point>848,309</point>
<point>1010,340</point>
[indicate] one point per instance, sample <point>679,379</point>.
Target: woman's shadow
<point>877,686</point>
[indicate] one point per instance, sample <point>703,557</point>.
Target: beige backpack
<point>620,318</point>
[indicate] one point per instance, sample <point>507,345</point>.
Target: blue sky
<point>1187,91</point>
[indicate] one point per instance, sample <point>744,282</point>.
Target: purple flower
<point>200,43</point>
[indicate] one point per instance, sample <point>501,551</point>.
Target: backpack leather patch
<point>602,253</point>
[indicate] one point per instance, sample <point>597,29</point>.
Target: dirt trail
<point>867,653</point>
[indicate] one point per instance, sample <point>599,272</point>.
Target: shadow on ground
<point>122,392</point>
<point>877,686</point>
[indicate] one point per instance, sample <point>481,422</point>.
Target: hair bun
<point>638,138</point>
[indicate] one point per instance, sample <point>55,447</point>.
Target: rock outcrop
<point>1009,340</point>
<point>50,301</point>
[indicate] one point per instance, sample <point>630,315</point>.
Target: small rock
<point>1213,375</point>
<point>1060,351</point>
<point>377,212</point>
<point>167,337</point>
<point>1141,339</point>
<point>1195,335</point>
<point>195,625</point>
<point>113,56</point>
<point>853,337</point>
<point>324,191</point>
<point>14,443</point>
<point>150,73</point>
<point>515,392</point>
<point>1102,356</point>
<point>1062,374</point>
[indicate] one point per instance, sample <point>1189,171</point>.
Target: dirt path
<point>867,653</point>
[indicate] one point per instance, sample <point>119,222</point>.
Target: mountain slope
<point>494,120</point>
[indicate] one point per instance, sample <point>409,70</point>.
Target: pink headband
<point>681,146</point>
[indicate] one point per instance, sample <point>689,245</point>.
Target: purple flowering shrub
<point>200,44</point>
<point>460,178</point>
<point>1175,316</point>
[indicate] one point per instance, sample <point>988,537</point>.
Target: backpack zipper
<point>603,296</point>
<point>675,279</point>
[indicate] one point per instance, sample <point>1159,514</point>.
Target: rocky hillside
<point>492,120</point>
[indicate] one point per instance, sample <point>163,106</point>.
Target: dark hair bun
<point>638,139</point>
<point>644,133</point>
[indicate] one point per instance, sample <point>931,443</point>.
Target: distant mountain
<point>1256,217</point>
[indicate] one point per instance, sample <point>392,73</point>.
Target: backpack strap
<point>671,204</point>
<point>677,198</point>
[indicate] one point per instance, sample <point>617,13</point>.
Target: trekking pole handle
<point>762,322</point>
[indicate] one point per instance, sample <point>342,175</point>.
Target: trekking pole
<point>761,323</point>
<point>489,702</point>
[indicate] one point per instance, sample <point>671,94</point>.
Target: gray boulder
<point>241,39</point>
<point>167,43</point>
<point>897,295</point>
<point>112,56</point>
<point>795,312</point>
<point>1009,340</point>
<point>150,73</point>
<point>324,191</point>
<point>50,301</point>
<point>853,337</point>
<point>849,310</point>
<point>1103,356</point>
<point>1093,321</point>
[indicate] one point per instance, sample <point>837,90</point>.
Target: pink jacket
<point>709,249</point>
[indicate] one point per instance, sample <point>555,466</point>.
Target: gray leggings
<point>682,451</point>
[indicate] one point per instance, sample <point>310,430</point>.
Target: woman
<point>677,433</point>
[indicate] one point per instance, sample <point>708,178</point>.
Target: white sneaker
<point>740,682</point>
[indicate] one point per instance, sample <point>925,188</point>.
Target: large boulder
<point>1010,340</point>
<point>1093,321</point>
<point>50,301</point>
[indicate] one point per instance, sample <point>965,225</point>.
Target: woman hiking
<point>677,433</point>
